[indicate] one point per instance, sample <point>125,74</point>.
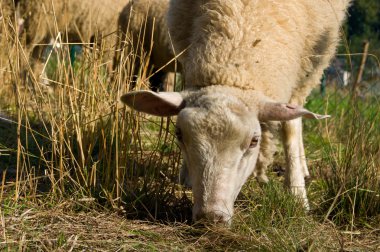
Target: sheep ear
<point>159,104</point>
<point>271,111</point>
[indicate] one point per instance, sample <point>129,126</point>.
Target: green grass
<point>348,158</point>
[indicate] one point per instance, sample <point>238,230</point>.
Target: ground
<point>62,227</point>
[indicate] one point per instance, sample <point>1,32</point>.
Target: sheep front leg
<point>295,158</point>
<point>302,154</point>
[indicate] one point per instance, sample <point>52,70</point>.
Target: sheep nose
<point>214,217</point>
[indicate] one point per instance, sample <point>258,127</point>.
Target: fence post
<point>362,66</point>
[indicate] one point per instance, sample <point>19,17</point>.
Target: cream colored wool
<point>278,48</point>
<point>83,21</point>
<point>79,20</point>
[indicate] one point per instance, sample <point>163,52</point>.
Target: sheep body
<point>144,32</point>
<point>79,20</point>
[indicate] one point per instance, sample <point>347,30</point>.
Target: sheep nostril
<point>215,218</point>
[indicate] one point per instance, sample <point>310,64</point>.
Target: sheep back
<point>268,46</point>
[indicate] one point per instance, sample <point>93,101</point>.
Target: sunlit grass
<point>349,159</point>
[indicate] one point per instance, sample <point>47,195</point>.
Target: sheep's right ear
<point>272,111</point>
<point>159,104</point>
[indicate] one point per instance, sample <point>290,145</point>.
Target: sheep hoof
<point>300,192</point>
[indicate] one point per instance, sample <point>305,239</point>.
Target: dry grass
<point>63,228</point>
<point>52,229</point>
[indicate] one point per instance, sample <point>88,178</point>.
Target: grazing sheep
<point>245,63</point>
<point>144,32</point>
<point>82,21</point>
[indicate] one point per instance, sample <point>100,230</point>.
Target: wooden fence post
<point>362,66</point>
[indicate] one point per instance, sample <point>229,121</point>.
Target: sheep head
<point>219,135</point>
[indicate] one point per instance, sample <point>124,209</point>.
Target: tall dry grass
<point>73,138</point>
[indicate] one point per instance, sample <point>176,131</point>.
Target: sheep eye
<point>254,142</point>
<point>178,134</point>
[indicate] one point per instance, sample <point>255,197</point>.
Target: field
<point>79,171</point>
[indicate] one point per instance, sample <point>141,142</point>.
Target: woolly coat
<point>79,20</point>
<point>278,48</point>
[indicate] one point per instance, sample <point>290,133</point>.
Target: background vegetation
<point>364,24</point>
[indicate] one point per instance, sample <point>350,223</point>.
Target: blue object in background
<point>75,50</point>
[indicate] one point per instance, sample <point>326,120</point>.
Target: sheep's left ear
<point>271,111</point>
<point>159,104</point>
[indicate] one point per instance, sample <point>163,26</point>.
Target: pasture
<point>80,171</point>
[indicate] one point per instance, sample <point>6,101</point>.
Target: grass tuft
<point>349,161</point>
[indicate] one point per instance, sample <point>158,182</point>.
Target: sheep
<point>245,63</point>
<point>144,33</point>
<point>85,21</point>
